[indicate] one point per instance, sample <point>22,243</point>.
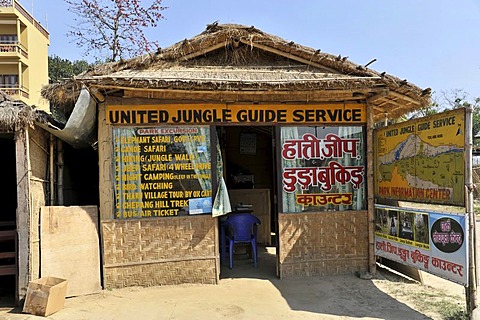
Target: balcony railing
<point>6,3</point>
<point>16,47</point>
<point>15,90</point>
<point>23,12</point>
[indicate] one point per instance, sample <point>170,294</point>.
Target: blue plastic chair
<point>241,228</point>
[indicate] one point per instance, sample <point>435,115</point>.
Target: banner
<point>434,242</point>
<point>422,160</point>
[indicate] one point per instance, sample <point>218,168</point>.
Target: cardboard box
<point>45,296</point>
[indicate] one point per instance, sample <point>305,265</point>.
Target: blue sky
<point>431,43</point>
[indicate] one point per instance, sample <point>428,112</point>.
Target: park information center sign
<point>422,160</point>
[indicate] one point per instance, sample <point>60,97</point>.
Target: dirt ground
<point>245,293</point>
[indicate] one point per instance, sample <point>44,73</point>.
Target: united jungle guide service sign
<point>236,113</point>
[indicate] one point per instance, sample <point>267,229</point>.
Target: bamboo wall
<point>151,252</point>
<point>38,154</point>
<point>161,251</point>
<point>321,244</point>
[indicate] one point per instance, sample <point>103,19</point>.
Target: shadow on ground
<point>343,296</point>
<point>243,293</point>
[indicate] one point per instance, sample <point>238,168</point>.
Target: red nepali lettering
<point>310,147</point>
<point>325,177</point>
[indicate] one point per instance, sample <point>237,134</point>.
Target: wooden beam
<point>176,78</point>
<point>405,97</point>
<point>289,56</point>
<point>97,94</point>
<point>397,107</point>
<point>380,110</point>
<point>204,51</point>
<point>379,95</point>
<point>253,92</point>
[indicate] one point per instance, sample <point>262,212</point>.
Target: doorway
<point>249,164</point>
<point>8,247</point>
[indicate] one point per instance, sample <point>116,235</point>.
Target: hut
<point>24,189</point>
<point>239,115</point>
<point>32,163</point>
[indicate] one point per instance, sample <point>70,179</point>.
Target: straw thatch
<point>15,115</point>
<point>239,63</point>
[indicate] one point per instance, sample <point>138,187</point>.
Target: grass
<point>427,299</point>
<point>476,209</point>
<point>437,301</point>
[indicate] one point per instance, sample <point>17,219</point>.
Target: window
<point>8,81</point>
<point>8,39</point>
<point>162,171</point>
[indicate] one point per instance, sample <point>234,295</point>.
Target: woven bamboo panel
<point>156,274</point>
<point>323,243</point>
<point>159,251</point>
<point>323,268</point>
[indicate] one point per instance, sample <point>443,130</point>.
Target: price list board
<point>162,172</point>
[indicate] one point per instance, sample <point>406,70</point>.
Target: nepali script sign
<point>434,242</point>
<point>321,171</point>
<point>422,160</point>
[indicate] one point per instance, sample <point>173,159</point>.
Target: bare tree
<point>114,29</point>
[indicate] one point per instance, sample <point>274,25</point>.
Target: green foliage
<point>459,99</point>
<point>59,69</point>
<point>450,100</point>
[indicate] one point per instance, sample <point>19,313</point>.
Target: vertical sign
<point>162,171</point>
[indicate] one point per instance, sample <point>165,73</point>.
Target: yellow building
<point>23,54</point>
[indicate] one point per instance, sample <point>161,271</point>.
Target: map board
<point>422,160</point>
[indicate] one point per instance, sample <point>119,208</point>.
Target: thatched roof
<point>15,115</point>
<point>239,63</point>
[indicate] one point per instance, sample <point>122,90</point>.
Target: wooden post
<point>471,292</point>
<point>106,207</point>
<point>51,170</point>
<point>60,171</point>
<point>372,266</point>
<point>23,210</point>
<point>105,166</point>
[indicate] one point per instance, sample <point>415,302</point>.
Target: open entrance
<point>248,154</point>
<point>8,247</point>
<point>80,176</point>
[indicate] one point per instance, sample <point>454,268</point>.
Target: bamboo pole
<point>24,203</point>
<point>471,292</point>
<point>60,170</point>
<point>405,97</point>
<point>52,171</point>
<point>370,190</point>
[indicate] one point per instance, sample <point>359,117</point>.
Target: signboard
<point>162,172</point>
<point>322,168</point>
<point>422,160</point>
<point>234,113</point>
<point>430,241</point>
